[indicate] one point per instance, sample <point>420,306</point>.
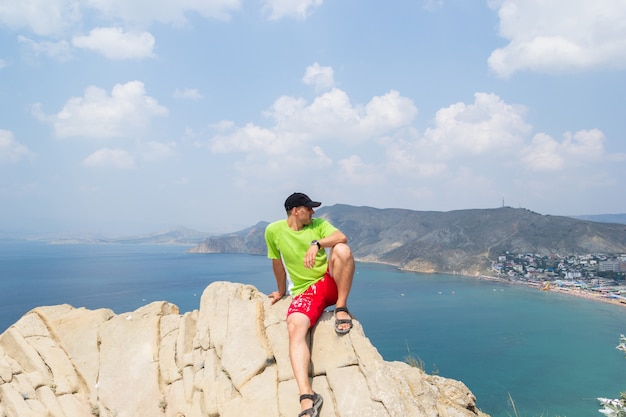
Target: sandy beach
<point>591,295</point>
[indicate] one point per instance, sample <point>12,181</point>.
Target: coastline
<point>577,292</point>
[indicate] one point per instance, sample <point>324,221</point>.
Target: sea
<point>521,351</point>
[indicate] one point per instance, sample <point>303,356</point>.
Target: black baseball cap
<point>298,200</point>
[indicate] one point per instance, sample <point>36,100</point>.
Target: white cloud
<point>409,159</point>
<point>543,154</point>
<point>386,113</point>
<point>3,63</point>
<point>42,17</point>
<point>110,158</point>
<point>315,134</point>
<point>477,150</point>
<point>249,138</point>
<point>56,17</point>
<point>319,137</point>
<point>330,117</point>
<point>581,148</point>
<point>156,151</point>
<point>432,5</point>
<point>560,36</point>
<point>115,43</point>
<point>353,170</point>
<point>10,149</point>
<point>57,50</point>
<point>486,125</point>
<point>122,159</point>
<point>321,77</point>
<point>299,9</point>
<point>99,115</point>
<point>187,94</point>
<point>165,11</point>
<point>585,145</point>
<point>487,129</point>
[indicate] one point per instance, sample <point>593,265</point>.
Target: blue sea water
<point>553,354</point>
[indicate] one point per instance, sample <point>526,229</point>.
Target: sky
<point>121,117</point>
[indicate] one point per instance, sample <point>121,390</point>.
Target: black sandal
<point>339,322</point>
<point>317,404</point>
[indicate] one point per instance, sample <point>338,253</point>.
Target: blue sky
<point>123,117</point>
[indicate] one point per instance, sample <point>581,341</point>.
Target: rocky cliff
<point>227,359</point>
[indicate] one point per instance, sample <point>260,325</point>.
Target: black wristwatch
<point>316,242</point>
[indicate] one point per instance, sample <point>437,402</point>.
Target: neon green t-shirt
<point>290,246</point>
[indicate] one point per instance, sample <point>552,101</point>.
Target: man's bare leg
<point>299,354</point>
<point>342,271</point>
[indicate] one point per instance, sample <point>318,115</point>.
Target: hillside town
<point>591,276</point>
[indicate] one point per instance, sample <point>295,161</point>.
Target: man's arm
<point>334,238</point>
<point>329,241</point>
<point>281,280</point>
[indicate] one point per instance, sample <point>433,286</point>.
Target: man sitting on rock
<point>296,246</point>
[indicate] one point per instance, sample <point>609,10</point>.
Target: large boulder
<point>228,359</point>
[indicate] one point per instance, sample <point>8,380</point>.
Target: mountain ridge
<point>178,235</point>
<point>466,242</point>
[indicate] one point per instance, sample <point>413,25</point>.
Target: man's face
<point>304,214</point>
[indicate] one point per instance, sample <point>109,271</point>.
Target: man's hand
<point>275,296</point>
<point>309,257</point>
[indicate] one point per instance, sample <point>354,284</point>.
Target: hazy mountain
<point>175,236</point>
<point>603,218</point>
<point>250,240</point>
<point>462,241</point>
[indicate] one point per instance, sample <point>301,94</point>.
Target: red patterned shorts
<point>315,299</point>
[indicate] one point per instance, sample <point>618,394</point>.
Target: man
<point>296,246</point>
